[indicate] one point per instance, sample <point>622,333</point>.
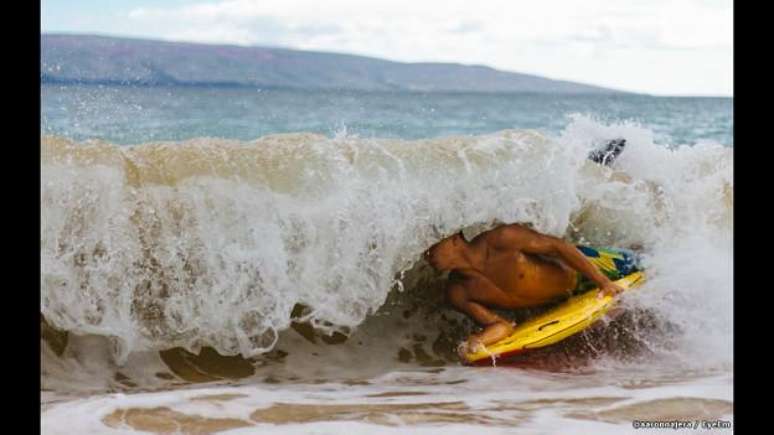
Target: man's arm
<point>520,238</point>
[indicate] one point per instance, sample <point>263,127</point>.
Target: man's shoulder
<point>504,234</point>
<point>510,228</point>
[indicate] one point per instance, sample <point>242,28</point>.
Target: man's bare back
<point>509,267</point>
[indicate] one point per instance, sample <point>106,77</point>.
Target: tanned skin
<point>509,267</point>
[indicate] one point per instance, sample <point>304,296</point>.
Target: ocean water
<point>126,115</point>
<point>242,261</point>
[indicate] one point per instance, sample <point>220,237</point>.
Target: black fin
<point>607,155</point>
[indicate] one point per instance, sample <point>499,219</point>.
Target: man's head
<point>448,253</point>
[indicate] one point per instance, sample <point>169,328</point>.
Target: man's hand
<point>609,289</point>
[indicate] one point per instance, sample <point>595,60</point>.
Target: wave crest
<point>213,242</point>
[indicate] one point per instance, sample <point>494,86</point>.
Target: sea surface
<point>245,261</point>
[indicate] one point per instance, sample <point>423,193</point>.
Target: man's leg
<point>495,327</point>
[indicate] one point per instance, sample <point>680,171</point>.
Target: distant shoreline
<point>46,81</point>
<point>88,59</point>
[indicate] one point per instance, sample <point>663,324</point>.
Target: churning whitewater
<point>223,243</point>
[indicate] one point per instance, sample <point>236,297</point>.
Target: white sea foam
<point>213,242</point>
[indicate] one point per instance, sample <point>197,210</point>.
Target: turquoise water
<point>127,115</point>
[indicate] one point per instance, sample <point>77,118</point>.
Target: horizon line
<point>233,44</point>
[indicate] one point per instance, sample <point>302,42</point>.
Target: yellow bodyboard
<point>572,316</point>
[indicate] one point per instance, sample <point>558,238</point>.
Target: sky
<point>659,47</point>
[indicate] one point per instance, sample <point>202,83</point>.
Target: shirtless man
<point>510,267</point>
<point>514,267</point>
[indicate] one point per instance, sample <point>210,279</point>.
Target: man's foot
<point>490,335</point>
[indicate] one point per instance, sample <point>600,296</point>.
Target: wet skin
<point>509,267</point>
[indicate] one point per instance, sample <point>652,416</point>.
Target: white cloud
<point>560,39</point>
